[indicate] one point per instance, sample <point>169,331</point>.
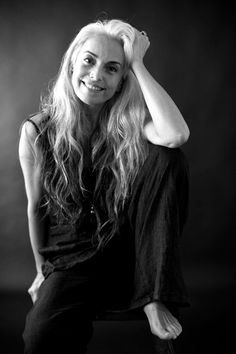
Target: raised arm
<point>167,126</point>
<point>31,171</point>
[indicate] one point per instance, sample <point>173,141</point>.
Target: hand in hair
<point>141,45</point>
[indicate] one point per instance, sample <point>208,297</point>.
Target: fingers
<point>33,290</point>
<point>140,46</point>
<point>143,35</point>
<point>33,295</point>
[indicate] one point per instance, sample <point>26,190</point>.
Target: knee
<point>56,333</point>
<point>32,338</point>
<point>162,159</point>
<point>164,154</point>
<point>35,335</point>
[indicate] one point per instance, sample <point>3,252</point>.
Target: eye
<point>112,69</point>
<point>88,60</point>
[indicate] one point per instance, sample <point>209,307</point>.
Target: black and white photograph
<point>117,183</point>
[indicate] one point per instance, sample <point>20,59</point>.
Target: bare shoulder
<point>31,127</point>
<point>38,118</point>
<point>30,130</point>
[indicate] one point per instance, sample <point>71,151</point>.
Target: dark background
<point>192,55</point>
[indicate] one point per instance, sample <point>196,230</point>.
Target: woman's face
<point>98,70</point>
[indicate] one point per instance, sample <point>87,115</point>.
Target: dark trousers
<point>140,265</point>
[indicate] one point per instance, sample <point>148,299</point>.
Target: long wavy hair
<point>118,147</point>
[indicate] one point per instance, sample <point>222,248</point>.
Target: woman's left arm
<point>167,127</point>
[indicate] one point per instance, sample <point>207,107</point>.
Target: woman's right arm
<point>28,156</point>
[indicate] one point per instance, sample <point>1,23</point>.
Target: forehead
<point>105,48</point>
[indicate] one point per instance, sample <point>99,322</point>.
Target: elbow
<point>179,139</point>
<point>170,139</point>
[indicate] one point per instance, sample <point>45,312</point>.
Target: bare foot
<point>162,323</point>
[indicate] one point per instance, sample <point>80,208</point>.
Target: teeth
<point>92,87</point>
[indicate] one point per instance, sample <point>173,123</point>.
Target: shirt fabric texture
<point>141,262</point>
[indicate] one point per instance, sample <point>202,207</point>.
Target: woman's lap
<point>61,319</point>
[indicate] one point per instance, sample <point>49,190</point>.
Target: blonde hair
<point>118,150</point>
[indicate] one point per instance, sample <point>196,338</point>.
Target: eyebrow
<point>110,62</point>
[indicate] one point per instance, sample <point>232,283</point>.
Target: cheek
<point>116,84</point>
<point>77,72</point>
<point>73,76</point>
<point>116,88</point>
<point>75,79</point>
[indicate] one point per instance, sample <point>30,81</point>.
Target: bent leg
<point>61,319</point>
<point>157,214</point>
<point>141,262</point>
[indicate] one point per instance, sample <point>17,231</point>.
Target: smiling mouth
<point>93,88</point>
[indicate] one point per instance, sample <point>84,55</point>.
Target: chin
<point>90,103</point>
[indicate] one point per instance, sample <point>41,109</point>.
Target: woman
<point>106,194</point>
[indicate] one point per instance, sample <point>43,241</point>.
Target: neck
<point>92,114</point>
<point>91,117</point>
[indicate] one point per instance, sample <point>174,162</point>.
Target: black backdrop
<point>192,55</point>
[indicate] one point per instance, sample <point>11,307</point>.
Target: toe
<point>172,331</point>
<point>161,332</point>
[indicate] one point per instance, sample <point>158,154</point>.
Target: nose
<point>96,74</point>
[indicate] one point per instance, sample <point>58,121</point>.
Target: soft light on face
<point>98,70</point>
